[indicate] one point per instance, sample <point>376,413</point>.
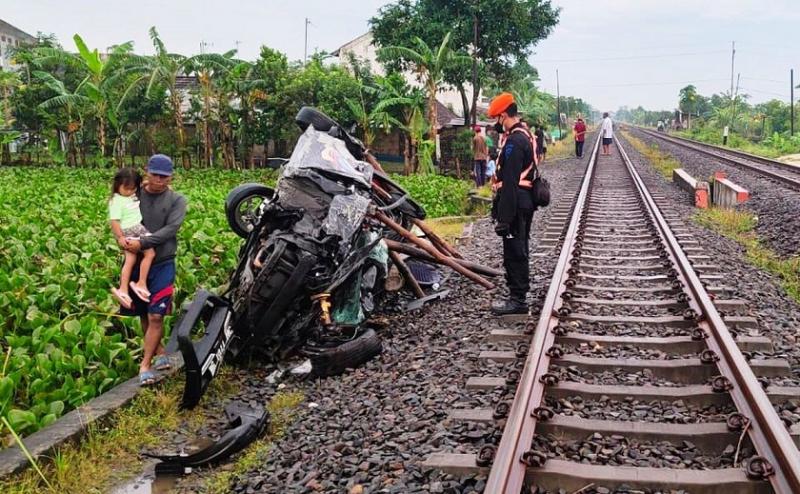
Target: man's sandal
<point>162,363</point>
<point>147,378</point>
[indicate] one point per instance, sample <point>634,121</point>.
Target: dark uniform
<point>514,211</point>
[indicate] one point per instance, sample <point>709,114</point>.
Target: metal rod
<point>403,268</point>
<point>424,256</point>
<point>449,261</point>
<point>436,240</point>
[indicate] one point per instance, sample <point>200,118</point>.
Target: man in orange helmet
<point>514,207</point>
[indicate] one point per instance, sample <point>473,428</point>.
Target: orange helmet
<point>500,103</point>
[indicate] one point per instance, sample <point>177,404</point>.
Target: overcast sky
<point>609,52</point>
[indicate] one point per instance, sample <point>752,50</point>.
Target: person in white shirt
<point>607,130</point>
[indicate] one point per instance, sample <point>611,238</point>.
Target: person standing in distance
<point>607,130</point>
<point>480,155</point>
<point>513,208</point>
<point>580,135</point>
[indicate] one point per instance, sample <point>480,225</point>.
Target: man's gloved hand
<point>502,229</point>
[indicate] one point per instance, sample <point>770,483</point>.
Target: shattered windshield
<point>320,151</point>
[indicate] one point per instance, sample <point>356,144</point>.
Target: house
<point>11,37</point>
<point>364,50</point>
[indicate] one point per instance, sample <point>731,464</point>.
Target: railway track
<point>632,315</point>
<point>782,172</point>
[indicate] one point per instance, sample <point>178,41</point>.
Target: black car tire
<point>315,118</point>
<point>349,355</point>
<point>240,196</point>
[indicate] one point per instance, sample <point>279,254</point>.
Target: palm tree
<point>429,65</point>
<point>249,90</point>
<point>162,71</point>
<point>687,101</point>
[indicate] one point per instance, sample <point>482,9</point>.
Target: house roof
<point>186,82</point>
<point>16,32</point>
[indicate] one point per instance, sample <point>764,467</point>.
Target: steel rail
<point>718,152</point>
<point>508,471</point>
<point>767,431</point>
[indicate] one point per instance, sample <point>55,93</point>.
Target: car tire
<point>245,195</point>
<point>349,355</point>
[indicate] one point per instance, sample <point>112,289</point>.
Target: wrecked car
<point>313,264</point>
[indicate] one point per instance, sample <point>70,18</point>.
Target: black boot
<point>510,306</point>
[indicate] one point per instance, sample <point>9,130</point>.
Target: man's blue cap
<point>160,164</point>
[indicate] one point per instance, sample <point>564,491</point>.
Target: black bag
<point>540,192</point>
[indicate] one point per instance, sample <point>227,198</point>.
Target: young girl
<point>126,224</point>
<point>491,166</point>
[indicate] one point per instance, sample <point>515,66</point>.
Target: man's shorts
<point>607,141</point>
<point>161,284</point>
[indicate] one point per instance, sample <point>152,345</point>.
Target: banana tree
<point>71,102</point>
<point>248,90</point>
<point>100,73</point>
<point>408,103</point>
<point>371,121</point>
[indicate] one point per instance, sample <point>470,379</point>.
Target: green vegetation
<point>739,226</point>
<point>762,128</point>
<point>440,196</point>
<point>60,339</point>
<point>772,146</point>
<point>662,162</point>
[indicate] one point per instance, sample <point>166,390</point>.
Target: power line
<point>652,83</point>
<point>782,95</point>
<point>631,57</point>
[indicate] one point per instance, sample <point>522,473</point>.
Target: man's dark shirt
<point>540,144</point>
<point>516,156</point>
<point>162,215</point>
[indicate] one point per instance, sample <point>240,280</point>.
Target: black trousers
<point>515,256</point>
<point>578,148</point>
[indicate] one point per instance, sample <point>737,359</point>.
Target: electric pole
<point>733,55</point>
<point>791,99</point>
<point>558,105</point>
<point>305,44</point>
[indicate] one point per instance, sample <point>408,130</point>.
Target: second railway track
<point>628,318</point>
<point>784,173</point>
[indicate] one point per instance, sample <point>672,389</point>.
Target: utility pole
<point>733,55</point>
<point>558,105</point>
<point>791,99</point>
<point>305,44</point>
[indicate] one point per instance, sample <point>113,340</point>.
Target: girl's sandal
<point>147,378</point>
<point>123,298</point>
<point>162,363</point>
<point>142,293</point>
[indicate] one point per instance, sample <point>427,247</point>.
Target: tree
<point>161,71</point>
<point>71,102</point>
<point>475,24</point>
<point>430,66</point>
<point>407,103</point>
<point>99,74</point>
<point>9,81</point>
<point>687,101</point>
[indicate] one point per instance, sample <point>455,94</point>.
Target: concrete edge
<point>74,424</point>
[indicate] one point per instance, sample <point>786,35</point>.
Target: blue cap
<point>160,164</point>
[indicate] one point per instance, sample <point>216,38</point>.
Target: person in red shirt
<point>580,135</point>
